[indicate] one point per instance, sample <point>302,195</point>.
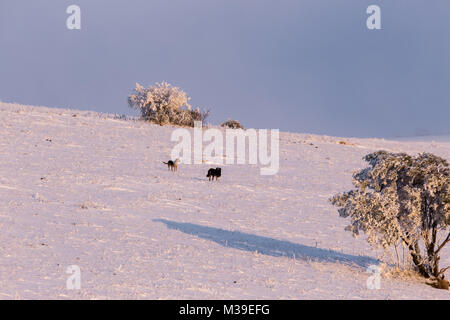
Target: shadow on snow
<point>267,246</point>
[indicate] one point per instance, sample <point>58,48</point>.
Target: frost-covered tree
<point>232,124</point>
<point>165,104</point>
<point>402,200</point>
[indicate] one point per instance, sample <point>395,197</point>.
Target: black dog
<point>217,172</point>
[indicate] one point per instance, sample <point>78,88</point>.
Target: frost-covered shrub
<point>165,104</point>
<point>232,124</point>
<point>402,200</point>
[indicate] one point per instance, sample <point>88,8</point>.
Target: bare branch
<point>443,244</point>
<point>443,270</point>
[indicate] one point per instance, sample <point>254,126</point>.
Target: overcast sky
<point>301,65</point>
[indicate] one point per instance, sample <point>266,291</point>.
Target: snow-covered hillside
<point>81,188</point>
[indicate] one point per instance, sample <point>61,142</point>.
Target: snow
<point>89,189</point>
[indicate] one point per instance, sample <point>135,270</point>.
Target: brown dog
<point>172,165</point>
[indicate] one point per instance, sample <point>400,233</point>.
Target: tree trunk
<point>417,259</point>
<point>436,265</point>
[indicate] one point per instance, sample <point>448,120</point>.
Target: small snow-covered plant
<point>232,124</point>
<point>165,104</point>
<point>402,200</point>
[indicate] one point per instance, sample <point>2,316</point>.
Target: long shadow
<point>267,246</point>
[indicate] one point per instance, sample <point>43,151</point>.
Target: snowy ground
<point>90,190</point>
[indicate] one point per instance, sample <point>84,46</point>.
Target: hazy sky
<point>300,65</point>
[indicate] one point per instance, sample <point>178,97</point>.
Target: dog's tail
<point>165,162</point>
